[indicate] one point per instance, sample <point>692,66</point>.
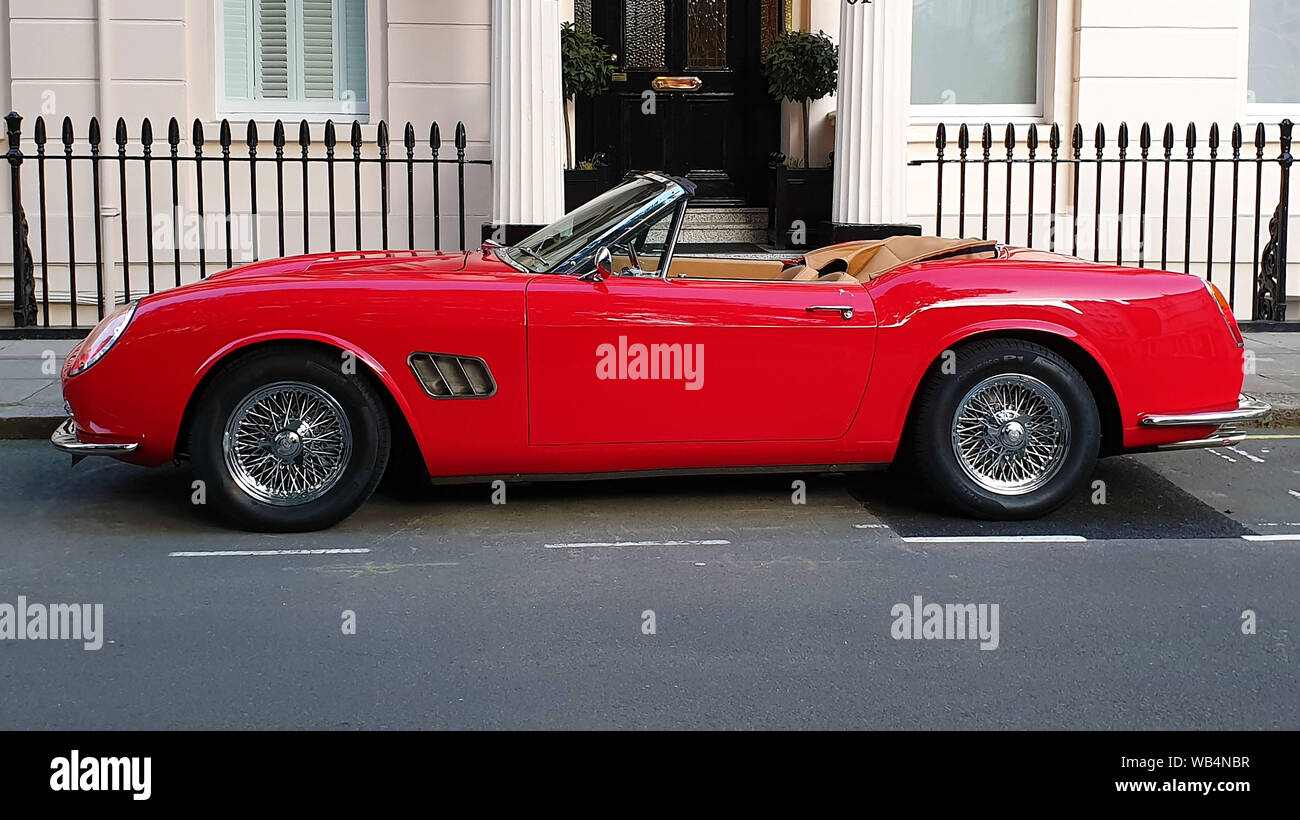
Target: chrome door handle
<point>844,311</point>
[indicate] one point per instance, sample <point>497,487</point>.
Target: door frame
<point>596,119</point>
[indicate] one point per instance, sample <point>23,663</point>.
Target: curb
<point>1286,410</point>
<point>28,427</point>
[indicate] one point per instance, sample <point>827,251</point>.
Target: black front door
<point>689,97</point>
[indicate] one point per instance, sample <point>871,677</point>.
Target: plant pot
<point>580,187</point>
<point>799,201</point>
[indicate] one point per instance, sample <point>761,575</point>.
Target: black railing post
<point>1284,217</point>
<point>461,142</point>
<point>435,145</point>
<point>24,274</point>
<point>940,141</point>
<point>1270,282</point>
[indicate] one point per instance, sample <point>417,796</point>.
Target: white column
<point>871,121</point>
<point>527,111</point>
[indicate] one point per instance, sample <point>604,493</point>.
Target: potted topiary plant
<point>800,67</point>
<point>589,179</point>
<point>586,67</point>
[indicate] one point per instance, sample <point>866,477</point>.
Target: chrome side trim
<point>664,473</point>
<point>64,438</point>
<point>1248,409</point>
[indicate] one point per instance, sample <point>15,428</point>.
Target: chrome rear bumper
<point>1248,409</point>
<point>65,438</point>
<point>1228,434</point>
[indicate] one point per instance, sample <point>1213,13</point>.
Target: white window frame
<point>1270,113</point>
<point>1035,112</point>
<point>310,110</point>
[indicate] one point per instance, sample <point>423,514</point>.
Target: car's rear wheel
<point>286,441</point>
<point>1009,430</point>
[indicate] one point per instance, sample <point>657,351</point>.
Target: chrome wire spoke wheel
<point>287,444</point>
<point>1011,434</point>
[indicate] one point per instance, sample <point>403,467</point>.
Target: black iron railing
<point>1097,190</point>
<point>181,244</point>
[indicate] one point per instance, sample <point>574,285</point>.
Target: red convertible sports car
<point>592,349</point>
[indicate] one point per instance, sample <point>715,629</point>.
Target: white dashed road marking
<point>261,553</point>
<point>1277,537</point>
<point>708,543</point>
<point>996,539</point>
<point>1242,452</point>
<point>1212,451</point>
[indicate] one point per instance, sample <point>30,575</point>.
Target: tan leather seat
<point>869,259</point>
<point>798,273</point>
<point>906,250</point>
<point>846,257</point>
<point>841,278</point>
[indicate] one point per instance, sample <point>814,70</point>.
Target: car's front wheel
<point>285,441</point>
<point>1005,429</point>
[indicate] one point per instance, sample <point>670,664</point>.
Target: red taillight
<point>1226,309</point>
<point>101,339</point>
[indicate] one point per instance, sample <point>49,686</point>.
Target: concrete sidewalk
<point>31,403</point>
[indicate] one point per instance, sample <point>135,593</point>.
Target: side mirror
<point>604,266</point>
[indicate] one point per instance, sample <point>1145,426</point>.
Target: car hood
<point>347,264</point>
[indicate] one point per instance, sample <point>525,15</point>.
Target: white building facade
<point>905,67</point>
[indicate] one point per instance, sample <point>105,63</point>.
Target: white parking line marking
<point>1294,493</point>
<point>1277,524</point>
<point>1278,537</point>
<point>996,539</point>
<point>260,553</point>
<point>1215,452</point>
<point>707,543</point>
<point>1242,452</point>
<point>870,526</point>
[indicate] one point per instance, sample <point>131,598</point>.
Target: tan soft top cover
<point>869,259</point>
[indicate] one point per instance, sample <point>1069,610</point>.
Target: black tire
<point>1019,363</point>
<point>320,370</point>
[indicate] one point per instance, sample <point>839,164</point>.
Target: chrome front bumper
<point>65,438</point>
<point>1228,434</point>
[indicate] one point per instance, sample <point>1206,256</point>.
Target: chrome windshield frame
<point>674,192</point>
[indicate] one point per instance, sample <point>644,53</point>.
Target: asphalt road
<point>470,614</point>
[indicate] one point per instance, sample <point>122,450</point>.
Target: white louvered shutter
<point>237,56</point>
<point>318,49</point>
<point>272,47</point>
<point>308,51</point>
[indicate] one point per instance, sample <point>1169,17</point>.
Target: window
<point>1274,56</point>
<point>978,58</point>
<point>292,57</point>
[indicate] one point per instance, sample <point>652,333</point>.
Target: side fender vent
<point>444,376</point>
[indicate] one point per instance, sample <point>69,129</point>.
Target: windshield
<point>557,242</point>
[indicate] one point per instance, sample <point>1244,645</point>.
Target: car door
<point>641,359</point>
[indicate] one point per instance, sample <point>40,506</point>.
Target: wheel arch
<point>1067,347</point>
<point>380,379</point>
